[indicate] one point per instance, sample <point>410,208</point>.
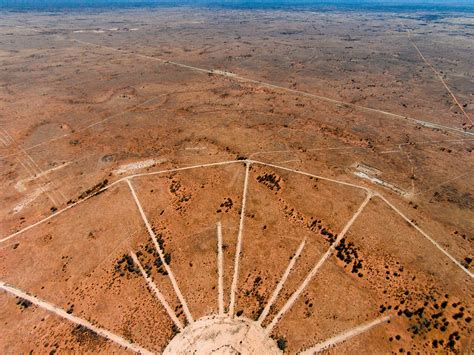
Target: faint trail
<point>5,140</point>
<point>391,151</point>
<point>387,146</point>
<point>180,296</point>
<point>42,174</point>
<point>440,78</point>
<point>4,239</point>
<point>227,162</point>
<point>6,137</point>
<point>220,269</point>
<point>445,182</point>
<point>81,129</point>
<point>412,168</point>
<point>316,267</point>
<point>311,175</point>
<point>20,184</point>
<point>263,84</point>
<point>92,268</point>
<point>239,242</point>
<point>40,185</point>
<point>236,77</point>
<point>282,281</point>
<point>344,336</point>
<point>157,292</point>
<point>119,113</point>
<point>30,165</point>
<point>288,161</point>
<point>76,320</point>
<point>427,236</point>
<point>41,221</point>
<point>271,152</point>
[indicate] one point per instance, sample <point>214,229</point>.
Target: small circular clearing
<point>222,335</point>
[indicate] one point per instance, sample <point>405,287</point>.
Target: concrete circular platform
<point>222,335</point>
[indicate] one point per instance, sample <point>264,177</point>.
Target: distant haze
<point>426,5</point>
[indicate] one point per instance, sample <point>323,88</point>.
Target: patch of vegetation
<point>70,309</point>
<point>328,235</point>
<point>86,336</point>
<point>309,306</point>
<point>464,200</point>
<point>252,291</point>
<point>149,259</point>
<point>22,303</point>
<point>174,186</point>
<point>271,181</point>
<point>167,257</point>
<point>348,254</point>
<point>432,316</point>
<point>125,264</point>
<point>178,310</point>
<point>93,191</point>
<point>226,205</point>
<point>281,343</point>
<point>180,192</point>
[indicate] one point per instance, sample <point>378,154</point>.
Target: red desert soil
<point>272,180</point>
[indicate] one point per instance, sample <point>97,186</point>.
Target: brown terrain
<point>332,150</point>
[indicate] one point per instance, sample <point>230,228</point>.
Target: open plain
<point>280,181</point>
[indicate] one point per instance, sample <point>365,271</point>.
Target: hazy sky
<point>5,4</point>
